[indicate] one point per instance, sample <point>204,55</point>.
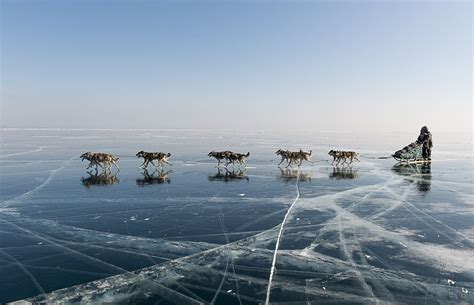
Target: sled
<point>411,154</point>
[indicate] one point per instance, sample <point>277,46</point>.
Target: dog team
<point>229,156</point>
<point>105,161</point>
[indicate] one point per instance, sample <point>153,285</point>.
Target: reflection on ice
<point>343,173</point>
<point>157,177</point>
<point>378,235</point>
<point>291,175</point>
<point>227,175</point>
<point>99,178</point>
<point>420,174</point>
<point>407,169</point>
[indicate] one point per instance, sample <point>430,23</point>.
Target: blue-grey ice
<point>371,233</point>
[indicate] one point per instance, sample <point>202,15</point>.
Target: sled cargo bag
<point>411,152</point>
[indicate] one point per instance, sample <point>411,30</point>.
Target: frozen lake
<point>373,233</point>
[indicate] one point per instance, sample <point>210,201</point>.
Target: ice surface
<point>373,233</point>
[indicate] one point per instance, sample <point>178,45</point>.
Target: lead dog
<point>296,157</point>
<point>284,154</point>
<point>90,156</point>
<point>150,156</point>
<point>100,159</point>
<point>220,156</point>
<point>237,157</point>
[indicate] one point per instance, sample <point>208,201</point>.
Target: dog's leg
<point>154,163</point>
<point>92,164</point>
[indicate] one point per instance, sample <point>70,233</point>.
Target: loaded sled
<point>410,154</point>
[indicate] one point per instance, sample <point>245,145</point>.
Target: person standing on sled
<point>426,141</point>
<point>421,148</point>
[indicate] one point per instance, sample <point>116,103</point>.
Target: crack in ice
<point>277,245</point>
<point>23,152</point>
<point>26,271</point>
<point>53,172</point>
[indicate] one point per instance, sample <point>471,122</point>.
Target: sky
<point>237,65</point>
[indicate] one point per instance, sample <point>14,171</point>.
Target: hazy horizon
<point>287,66</point>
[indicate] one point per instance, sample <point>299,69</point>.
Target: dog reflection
<point>228,175</point>
<point>157,177</point>
<point>416,173</point>
<point>289,175</point>
<point>102,178</point>
<point>339,173</point>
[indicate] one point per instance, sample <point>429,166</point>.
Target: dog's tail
<point>248,154</point>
